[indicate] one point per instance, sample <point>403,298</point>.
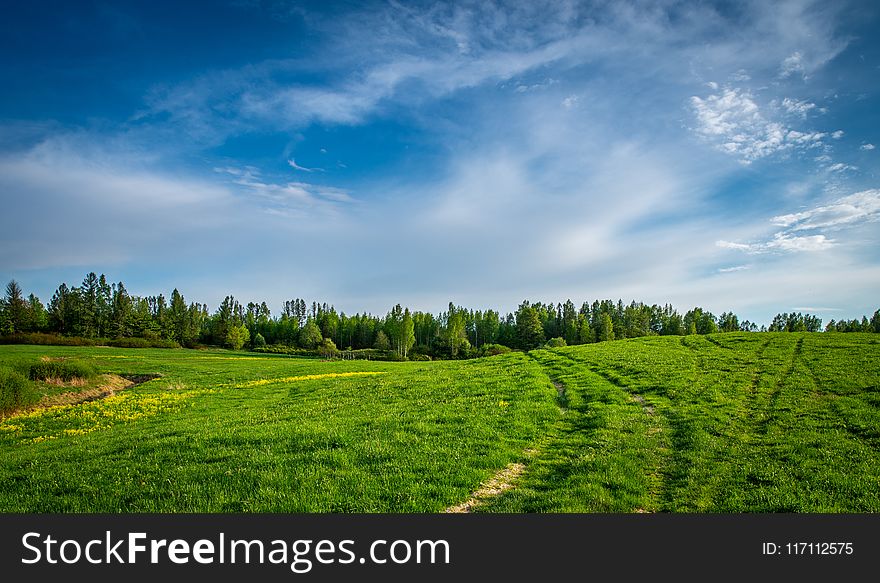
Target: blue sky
<point>366,154</point>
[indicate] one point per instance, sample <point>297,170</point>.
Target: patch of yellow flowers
<point>307,377</point>
<point>80,419</point>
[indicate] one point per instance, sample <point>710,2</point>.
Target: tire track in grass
<point>500,482</point>
<point>702,422</point>
<point>768,416</point>
<point>752,405</point>
<point>656,429</point>
<point>506,478</point>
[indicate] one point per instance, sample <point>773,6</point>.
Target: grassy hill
<point>729,422</point>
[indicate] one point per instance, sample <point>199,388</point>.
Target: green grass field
<point>725,423</point>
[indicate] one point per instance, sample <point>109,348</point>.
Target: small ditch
<point>139,379</point>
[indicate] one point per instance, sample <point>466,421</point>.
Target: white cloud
<point>866,147</point>
<point>797,107</point>
<point>733,120</point>
<point>794,63</point>
<point>841,167</point>
<point>837,134</point>
<point>733,269</point>
<point>848,211</point>
<point>570,101</point>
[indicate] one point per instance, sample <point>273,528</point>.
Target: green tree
<point>310,336</point>
<point>606,328</point>
<point>585,334</point>
<point>89,306</point>
<point>455,331</point>
<point>37,317</point>
<point>14,308</point>
<point>529,330</point>
<point>728,322</point>
<point>327,348</point>
<point>178,314</point>
<point>407,333</point>
<point>382,342</point>
<point>237,336</point>
<point>570,328</point>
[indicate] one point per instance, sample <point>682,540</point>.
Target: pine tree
<point>530,332</point>
<point>14,308</point>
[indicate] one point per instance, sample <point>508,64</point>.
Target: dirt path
<point>495,485</point>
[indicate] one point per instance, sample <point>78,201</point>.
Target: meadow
<point>738,422</point>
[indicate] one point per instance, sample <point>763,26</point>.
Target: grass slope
<point>729,422</point>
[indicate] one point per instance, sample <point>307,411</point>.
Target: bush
<point>369,354</point>
<point>259,341</point>
<point>493,349</point>
<point>46,339</point>
<point>42,339</point>
<point>420,357</point>
<point>65,370</point>
<point>327,348</point>
<point>284,349</point>
<point>142,343</point>
<point>556,343</point>
<point>15,391</point>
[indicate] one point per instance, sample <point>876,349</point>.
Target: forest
<point>99,312</point>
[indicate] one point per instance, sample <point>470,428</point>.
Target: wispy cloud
<point>782,242</point>
<point>292,163</point>
<point>288,197</point>
<point>856,208</point>
<point>866,147</point>
<point>102,208</point>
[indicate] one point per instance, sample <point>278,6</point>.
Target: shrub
<point>65,370</point>
<point>284,349</point>
<point>46,339</point>
<point>556,342</point>
<point>369,354</point>
<point>420,357</point>
<point>493,349</point>
<point>142,343</point>
<point>259,341</point>
<point>15,391</point>
<point>42,339</point>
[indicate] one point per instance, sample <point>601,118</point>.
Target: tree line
<point>97,309</point>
